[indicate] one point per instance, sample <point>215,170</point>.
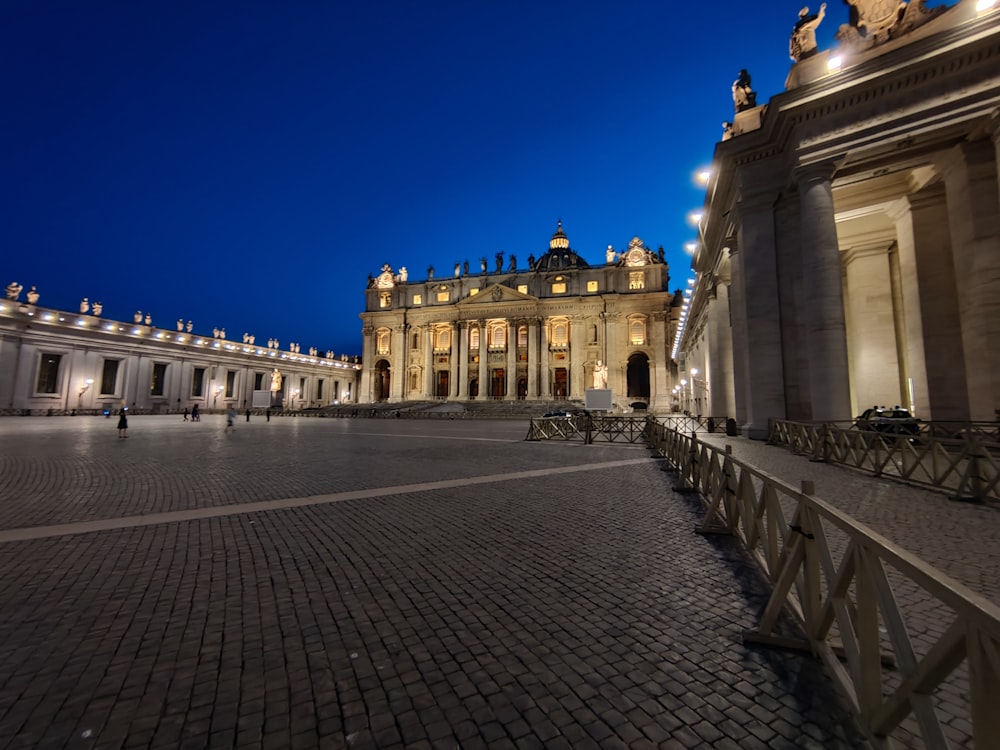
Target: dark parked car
<point>894,421</point>
<point>557,413</point>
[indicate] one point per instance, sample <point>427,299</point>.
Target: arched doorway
<point>382,380</point>
<point>474,388</point>
<point>522,389</point>
<point>498,386</point>
<point>442,384</point>
<point>638,376</point>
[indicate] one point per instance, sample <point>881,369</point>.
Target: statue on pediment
<point>803,41</point>
<point>84,305</point>
<point>873,22</point>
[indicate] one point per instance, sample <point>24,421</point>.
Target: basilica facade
<point>849,250</point>
<point>544,331</point>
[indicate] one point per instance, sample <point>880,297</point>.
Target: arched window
<point>474,338</point>
<point>498,335</point>
<point>560,334</point>
<point>637,331</point>
<point>443,339</point>
<point>593,334</point>
<point>522,336</point>
<point>382,340</point>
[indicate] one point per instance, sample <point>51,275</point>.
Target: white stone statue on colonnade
<point>600,375</point>
<point>14,290</point>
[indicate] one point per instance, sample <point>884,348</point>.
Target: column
<point>453,362</point>
<point>935,356</point>
<point>511,365</point>
<point>463,360</point>
<point>368,358</point>
<point>533,357</point>
<point>973,202</point>
<point>484,355</point>
<point>660,396</point>
<point>612,353</point>
<point>427,332</point>
<point>826,331</point>
<point>719,375</point>
<point>397,371</point>
<point>577,356</point>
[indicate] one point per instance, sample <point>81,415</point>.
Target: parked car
<point>894,421</point>
<point>560,413</point>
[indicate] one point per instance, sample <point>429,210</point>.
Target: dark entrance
<point>474,388</point>
<point>560,383</point>
<point>522,389</point>
<point>498,385</point>
<point>442,384</point>
<point>382,381</point>
<point>638,376</point>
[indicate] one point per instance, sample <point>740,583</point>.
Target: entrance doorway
<point>441,390</point>
<point>382,381</point>
<point>522,389</point>
<point>560,383</point>
<point>638,376</point>
<point>474,388</point>
<point>498,384</point>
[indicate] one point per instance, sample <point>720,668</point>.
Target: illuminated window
<point>559,331</point>
<point>443,339</point>
<point>522,288</point>
<point>418,299</point>
<point>384,299</point>
<point>474,291</point>
<point>382,341</point>
<point>559,287</point>
<point>637,332</point>
<point>442,296</point>
<point>636,280</point>
<point>474,338</point>
<point>591,286</point>
<point>498,336</point>
<point>522,336</point>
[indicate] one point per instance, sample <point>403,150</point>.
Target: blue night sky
<point>247,165</point>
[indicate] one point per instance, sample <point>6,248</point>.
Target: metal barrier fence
<point>968,467</point>
<point>590,428</point>
<point>838,581</point>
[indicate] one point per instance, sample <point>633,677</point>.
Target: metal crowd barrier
<point>838,581</point>
<point>590,428</point>
<point>968,467</point>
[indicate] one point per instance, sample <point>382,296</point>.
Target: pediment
<point>495,294</point>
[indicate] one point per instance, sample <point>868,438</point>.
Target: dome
<point>560,256</point>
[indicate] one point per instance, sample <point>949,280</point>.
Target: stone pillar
<point>544,366</point>
<point>757,329</point>
<point>660,396</point>
<point>453,369</point>
<point>463,360</point>
<point>577,356</point>
<point>511,365</point>
<point>427,332</point>
<point>613,354</point>
<point>973,203</point>
<point>826,331</point>
<point>719,375</point>
<point>397,363</point>
<point>533,357</point>
<point>935,355</point>
<point>364,395</point>
<point>484,356</point>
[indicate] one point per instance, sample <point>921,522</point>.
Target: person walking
<point>185,414</point>
<point>230,418</point>
<point>248,415</point>
<point>122,423</point>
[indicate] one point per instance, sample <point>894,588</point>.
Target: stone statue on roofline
<point>873,22</point>
<point>744,97</point>
<point>803,42</point>
<point>32,296</point>
<point>14,290</point>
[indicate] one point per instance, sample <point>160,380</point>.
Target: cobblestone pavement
<point>356,584</point>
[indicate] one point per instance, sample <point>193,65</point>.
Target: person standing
<point>230,419</point>
<point>248,415</point>
<point>122,423</point>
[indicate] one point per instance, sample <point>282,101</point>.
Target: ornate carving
<point>873,22</point>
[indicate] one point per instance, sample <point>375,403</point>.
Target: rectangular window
<point>636,280</point>
<point>442,296</point>
<point>258,381</point>
<point>109,377</point>
<point>559,287</point>
<point>474,291</point>
<point>384,299</point>
<point>48,373</point>
<point>198,382</point>
<point>230,383</point>
<point>522,288</point>
<point>418,299</point>
<point>319,389</point>
<point>302,387</point>
<point>591,286</point>
<point>158,380</point>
